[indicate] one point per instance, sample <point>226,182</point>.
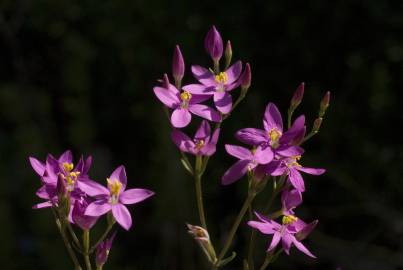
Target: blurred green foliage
<point>79,75</point>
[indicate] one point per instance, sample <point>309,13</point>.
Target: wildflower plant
<point>77,203</point>
<point>271,155</point>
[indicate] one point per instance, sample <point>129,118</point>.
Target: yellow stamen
<point>274,134</point>
<point>294,162</point>
<point>71,178</point>
<point>222,78</point>
<point>68,167</point>
<point>114,186</point>
<point>186,96</point>
<point>289,219</point>
<point>199,144</point>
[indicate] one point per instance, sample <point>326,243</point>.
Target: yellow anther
<point>289,219</point>
<point>222,78</point>
<point>294,161</point>
<point>199,144</point>
<point>71,178</point>
<point>114,186</point>
<point>274,135</point>
<point>186,96</point>
<point>68,167</point>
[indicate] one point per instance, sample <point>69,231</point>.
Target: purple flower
<point>273,134</point>
<point>115,197</point>
<point>178,64</point>
<point>103,250</point>
<point>78,215</point>
<point>285,232</point>
<point>216,85</point>
<point>183,104</point>
<point>202,144</point>
<point>214,44</point>
<point>290,199</point>
<point>248,160</point>
<point>289,166</point>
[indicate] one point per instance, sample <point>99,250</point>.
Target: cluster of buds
<point>77,200</point>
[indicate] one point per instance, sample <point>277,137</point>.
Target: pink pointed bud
<point>324,104</point>
<point>228,54</point>
<point>165,81</point>
<point>298,95</point>
<point>103,250</point>
<point>178,65</point>
<point>304,232</point>
<point>203,239</point>
<point>214,44</point>
<point>316,124</point>
<point>61,186</point>
<point>246,77</point>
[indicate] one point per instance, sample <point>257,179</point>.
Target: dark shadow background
<point>79,75</point>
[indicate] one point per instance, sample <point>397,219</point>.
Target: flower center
<point>68,167</point>
<point>293,162</point>
<point>289,219</point>
<point>185,97</point>
<point>275,136</point>
<point>114,188</point>
<point>199,144</point>
<point>221,78</point>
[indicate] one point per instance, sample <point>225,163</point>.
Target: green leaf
<point>227,260</point>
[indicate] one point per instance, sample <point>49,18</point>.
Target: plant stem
<point>99,267</point>
<point>199,193</point>
<point>270,258</point>
<point>104,235</point>
<point>290,112</point>
<point>234,228</point>
<point>73,234</point>
<point>86,245</point>
<point>62,230</point>
<point>251,243</point>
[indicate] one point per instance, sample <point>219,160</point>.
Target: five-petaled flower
<point>115,197</point>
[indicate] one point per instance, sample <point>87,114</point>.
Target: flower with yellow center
<point>199,144</point>
<point>289,219</point>
<point>221,78</point>
<point>68,167</point>
<point>294,162</point>
<point>275,136</point>
<point>114,188</point>
<point>185,97</point>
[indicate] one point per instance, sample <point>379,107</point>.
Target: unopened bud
<point>165,81</point>
<point>324,104</point>
<point>178,65</point>
<point>228,54</point>
<point>214,44</point>
<point>246,78</point>
<point>297,97</point>
<point>203,239</point>
<point>61,186</point>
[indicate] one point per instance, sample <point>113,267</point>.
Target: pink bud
<point>298,95</point>
<point>61,186</point>
<point>165,81</point>
<point>316,124</point>
<point>228,54</point>
<point>304,232</point>
<point>324,104</point>
<point>214,44</point>
<point>246,77</point>
<point>178,64</point>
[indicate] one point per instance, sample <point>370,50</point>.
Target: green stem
<point>270,258</point>
<point>86,245</point>
<point>99,267</point>
<point>241,214</point>
<point>290,112</point>
<point>104,235</point>
<point>73,234</point>
<point>199,193</point>
<point>62,229</point>
<point>216,67</point>
<point>251,246</point>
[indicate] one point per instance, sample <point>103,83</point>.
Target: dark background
<point>79,75</point>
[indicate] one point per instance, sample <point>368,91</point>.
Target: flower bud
<point>324,104</point>
<point>297,97</point>
<point>61,186</point>
<point>81,220</point>
<point>103,250</point>
<point>228,54</point>
<point>304,232</point>
<point>165,81</point>
<point>246,78</point>
<point>178,65</point>
<point>316,124</point>
<point>214,44</point>
<point>203,239</point>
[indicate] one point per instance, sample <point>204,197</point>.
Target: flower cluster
<point>272,153</point>
<point>76,199</point>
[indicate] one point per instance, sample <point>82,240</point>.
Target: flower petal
<point>263,155</point>
<point>92,188</point>
<point>274,241</point>
<point>199,89</point>
<point>38,166</point>
<point>122,215</point>
<point>169,98</point>
<point>252,136</point>
<point>67,156</point>
<point>120,174</point>
<point>135,195</point>
<point>42,205</point>
<point>203,75</point>
<point>263,227</point>
<point>223,102</point>
<point>287,240</point>
<point>302,248</point>
<point>205,112</point>
<point>312,171</point>
<point>290,199</point>
<point>196,99</point>
<point>235,172</point>
<point>181,117</point>
<point>272,118</point>
<point>295,130</point>
<point>233,72</point>
<point>296,180</point>
<point>98,208</point>
<point>239,151</point>
<point>182,141</point>
<point>203,132</point>
<point>289,150</point>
